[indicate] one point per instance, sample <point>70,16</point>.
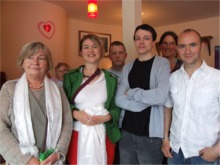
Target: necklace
<point>32,87</point>
<point>85,76</point>
<point>97,72</point>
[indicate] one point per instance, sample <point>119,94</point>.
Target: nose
<point>142,40</point>
<point>90,49</point>
<point>36,61</point>
<point>117,54</point>
<point>187,49</point>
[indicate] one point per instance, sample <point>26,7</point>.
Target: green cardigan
<point>73,79</point>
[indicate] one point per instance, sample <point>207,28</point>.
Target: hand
<point>210,154</point>
<point>126,93</point>
<point>33,161</point>
<point>83,117</point>
<point>51,159</point>
<point>166,148</point>
<point>101,119</point>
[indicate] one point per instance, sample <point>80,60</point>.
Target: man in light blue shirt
<point>142,90</point>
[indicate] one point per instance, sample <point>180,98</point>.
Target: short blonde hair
<point>32,48</point>
<point>96,39</point>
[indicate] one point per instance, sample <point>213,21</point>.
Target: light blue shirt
<point>138,99</point>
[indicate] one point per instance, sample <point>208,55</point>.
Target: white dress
<point>91,139</point>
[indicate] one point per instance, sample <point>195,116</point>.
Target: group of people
<point>137,112</point>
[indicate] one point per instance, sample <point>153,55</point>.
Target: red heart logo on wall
<point>47,29</point>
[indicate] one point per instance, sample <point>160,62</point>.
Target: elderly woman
<point>93,107</point>
<point>35,119</point>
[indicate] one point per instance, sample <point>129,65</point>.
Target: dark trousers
<point>135,149</point>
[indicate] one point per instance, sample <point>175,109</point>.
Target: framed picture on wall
<point>217,57</point>
<point>106,39</point>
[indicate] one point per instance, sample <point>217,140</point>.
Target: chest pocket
<point>178,95</point>
<point>205,95</point>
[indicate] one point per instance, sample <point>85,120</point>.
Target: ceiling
<point>155,12</point>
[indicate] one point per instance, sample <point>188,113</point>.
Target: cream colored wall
<point>206,27</point>
<point>73,39</point>
<point>19,20</point>
<point>20,25</point>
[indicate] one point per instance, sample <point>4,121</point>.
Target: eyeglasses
<point>170,44</point>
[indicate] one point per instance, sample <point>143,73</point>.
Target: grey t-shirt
<point>117,73</point>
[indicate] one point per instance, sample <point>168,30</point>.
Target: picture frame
<point>106,39</point>
<point>217,57</point>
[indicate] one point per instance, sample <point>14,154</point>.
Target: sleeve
<point>114,110</point>
<point>169,102</point>
<point>115,113</point>
<point>122,99</point>
<point>68,86</point>
<point>112,129</point>
<point>66,131</point>
<point>156,95</point>
<point>137,99</point>
<point>9,149</point>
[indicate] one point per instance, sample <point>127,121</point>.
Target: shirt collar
<point>203,67</point>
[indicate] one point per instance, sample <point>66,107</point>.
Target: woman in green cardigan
<point>95,126</point>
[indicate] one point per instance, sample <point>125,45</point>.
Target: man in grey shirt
<point>117,54</point>
<point>142,89</point>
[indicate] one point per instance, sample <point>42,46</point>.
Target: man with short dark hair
<point>142,90</point>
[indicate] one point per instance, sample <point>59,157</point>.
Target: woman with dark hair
<point>168,46</point>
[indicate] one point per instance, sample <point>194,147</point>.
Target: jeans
<point>135,149</point>
<point>179,159</point>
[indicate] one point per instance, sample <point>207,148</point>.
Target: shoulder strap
<point>84,84</point>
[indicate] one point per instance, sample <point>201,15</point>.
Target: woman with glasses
<point>168,46</point>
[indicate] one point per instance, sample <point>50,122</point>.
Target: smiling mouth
<point>91,55</point>
<point>187,56</point>
<point>141,47</point>
<point>35,68</point>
